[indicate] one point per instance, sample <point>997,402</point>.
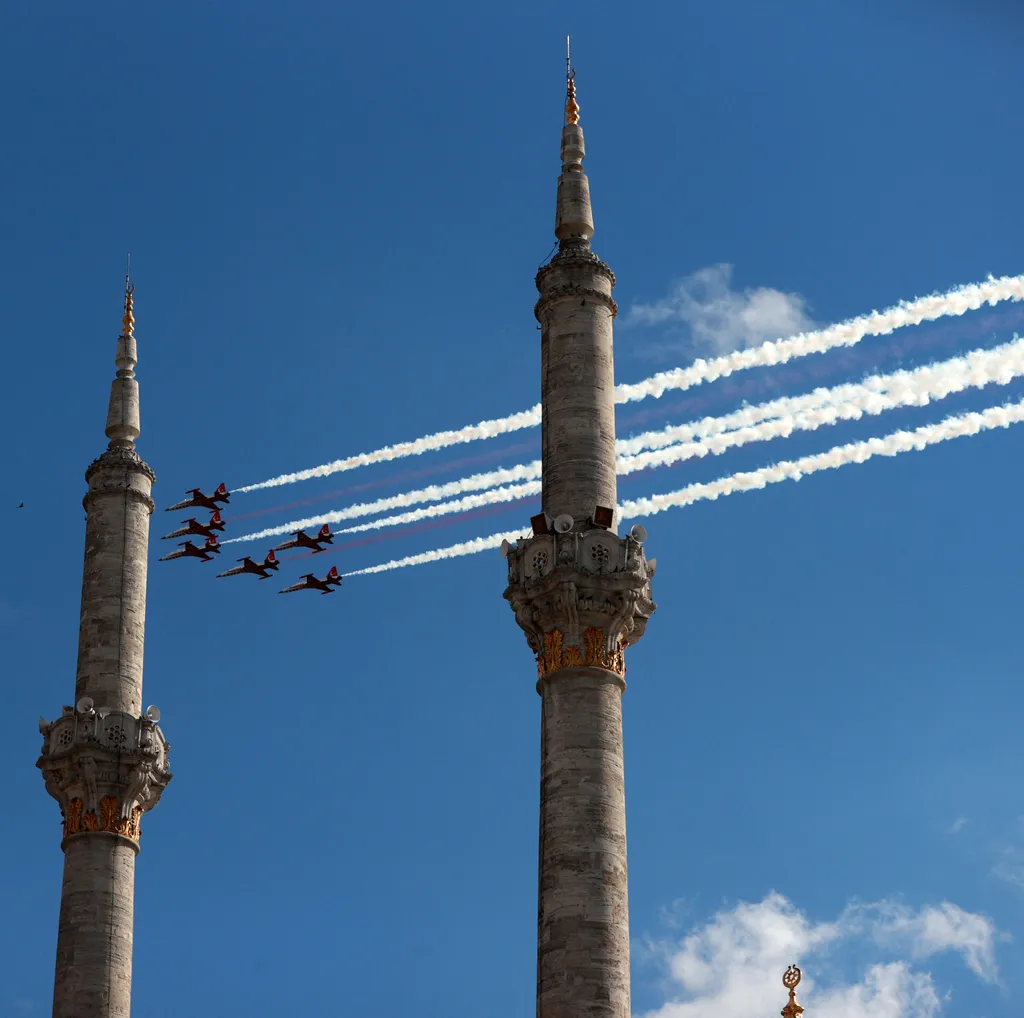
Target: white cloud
<point>720,319</point>
<point>957,825</point>
<point>731,966</point>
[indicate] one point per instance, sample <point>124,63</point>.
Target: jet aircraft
<point>192,526</point>
<point>310,582</point>
<point>203,501</point>
<point>189,550</point>
<point>300,539</point>
<point>259,568</point>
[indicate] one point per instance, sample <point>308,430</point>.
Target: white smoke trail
<point>845,403</point>
<point>959,426</point>
<point>434,493</point>
<point>878,323</point>
<point>440,440</point>
<point>777,419</point>
<point>459,505</point>
<point>454,551</point>
<point>916,387</point>
<point>954,302</point>
<point>854,452</point>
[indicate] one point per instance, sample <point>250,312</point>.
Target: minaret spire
<point>103,759</point>
<point>123,412</point>
<point>582,595</point>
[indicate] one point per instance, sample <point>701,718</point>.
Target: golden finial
<point>128,322</point>
<point>572,109</point>
<point>791,979</point>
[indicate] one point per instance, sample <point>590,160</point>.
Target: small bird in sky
<point>21,505</point>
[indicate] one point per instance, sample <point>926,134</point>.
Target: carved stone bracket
<point>104,768</point>
<point>581,598</point>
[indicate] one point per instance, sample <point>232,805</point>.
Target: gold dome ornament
<point>791,979</point>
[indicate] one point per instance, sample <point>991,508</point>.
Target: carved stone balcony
<point>104,768</point>
<point>581,598</point>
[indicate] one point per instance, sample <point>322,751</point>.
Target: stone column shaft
<point>112,630</point>
<point>583,922</point>
<point>578,420</point>
<point>94,941</point>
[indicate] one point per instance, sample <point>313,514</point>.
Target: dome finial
<point>791,979</point>
<point>572,109</point>
<point>123,410</point>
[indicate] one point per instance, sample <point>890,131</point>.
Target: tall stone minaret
<point>582,595</point>
<point>103,760</point>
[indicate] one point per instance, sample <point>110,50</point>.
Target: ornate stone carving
<point>104,768</point>
<point>121,458</point>
<point>580,598</point>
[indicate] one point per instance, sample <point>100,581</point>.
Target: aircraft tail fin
<point>333,574</point>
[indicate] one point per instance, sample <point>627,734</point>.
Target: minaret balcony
<point>104,767</point>
<point>580,597</point>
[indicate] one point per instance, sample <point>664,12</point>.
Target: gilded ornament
<point>128,322</point>
<point>791,979</point>
<point>594,652</point>
<point>77,821</point>
<point>552,651</point>
<point>572,109</point>
<point>73,817</point>
<point>572,657</point>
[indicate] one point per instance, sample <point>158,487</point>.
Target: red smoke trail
<point>415,528</point>
<point>408,475</point>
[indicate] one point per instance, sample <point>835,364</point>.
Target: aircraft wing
<point>182,505</point>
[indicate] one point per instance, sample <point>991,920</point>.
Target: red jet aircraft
<point>193,527</point>
<point>259,568</point>
<point>303,540</point>
<point>310,582</point>
<point>189,550</point>
<point>203,501</point>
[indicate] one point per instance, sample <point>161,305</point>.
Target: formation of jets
<point>211,547</point>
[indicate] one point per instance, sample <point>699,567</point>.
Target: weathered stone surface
<point>575,312</point>
<point>93,977</point>
<point>112,630</point>
<point>583,916</point>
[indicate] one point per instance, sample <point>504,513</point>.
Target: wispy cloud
<point>1010,867</point>
<point>720,319</point>
<point>730,966</point>
<point>957,825</point>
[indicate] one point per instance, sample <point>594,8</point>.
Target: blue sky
<point>334,219</point>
